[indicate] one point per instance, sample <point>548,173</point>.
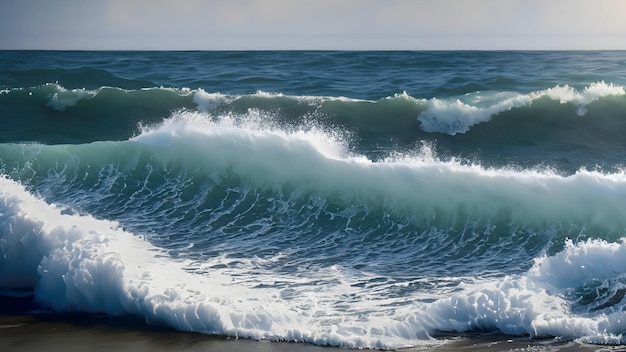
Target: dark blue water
<point>359,199</point>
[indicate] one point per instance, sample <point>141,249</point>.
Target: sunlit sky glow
<point>312,24</point>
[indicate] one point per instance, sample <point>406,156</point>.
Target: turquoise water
<point>358,199</point>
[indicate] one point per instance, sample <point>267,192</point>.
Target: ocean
<point>346,198</point>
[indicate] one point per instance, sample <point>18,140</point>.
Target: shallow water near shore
<point>38,333</point>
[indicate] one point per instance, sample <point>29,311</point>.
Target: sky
<point>312,24</point>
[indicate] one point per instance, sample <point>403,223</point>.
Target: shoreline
<point>24,332</point>
<point>79,333</point>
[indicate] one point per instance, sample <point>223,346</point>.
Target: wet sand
<point>62,333</point>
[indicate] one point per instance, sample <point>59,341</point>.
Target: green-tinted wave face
<point>560,127</point>
<point>220,184</point>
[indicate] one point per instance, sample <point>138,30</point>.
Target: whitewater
<point>343,210</point>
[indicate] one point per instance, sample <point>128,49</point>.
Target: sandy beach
<point>40,333</point>
<point>80,333</point>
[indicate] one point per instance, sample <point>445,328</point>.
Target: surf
<point>236,176</point>
<point>572,127</point>
<point>76,263</point>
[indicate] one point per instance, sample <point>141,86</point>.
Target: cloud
<point>444,16</point>
<point>309,24</point>
<point>582,17</point>
<point>152,15</point>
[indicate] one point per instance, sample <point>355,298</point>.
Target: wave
<point>76,263</point>
<point>52,114</point>
<point>458,115</point>
<point>232,186</point>
<point>575,294</point>
<point>58,98</point>
<point>263,154</point>
<point>81,264</point>
<point>495,127</point>
<point>218,184</point>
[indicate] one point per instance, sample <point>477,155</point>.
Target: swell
<point>74,78</point>
<point>562,127</point>
<point>218,184</point>
<point>52,114</point>
<point>251,219</point>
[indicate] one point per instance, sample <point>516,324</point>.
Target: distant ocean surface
<point>354,199</point>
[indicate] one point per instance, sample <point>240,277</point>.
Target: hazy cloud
<point>307,24</point>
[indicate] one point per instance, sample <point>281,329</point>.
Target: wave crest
<point>458,115</point>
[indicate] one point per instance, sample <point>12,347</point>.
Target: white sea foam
<point>209,101</point>
<point>81,264</point>
<point>591,93</point>
<point>254,131</point>
<point>309,99</point>
<point>63,98</point>
<point>459,114</point>
<point>536,303</point>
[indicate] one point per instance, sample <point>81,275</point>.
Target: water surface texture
<point>356,199</point>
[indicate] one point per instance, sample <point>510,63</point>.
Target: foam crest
<point>63,98</point>
<point>309,99</point>
<point>543,302</point>
<point>210,101</point>
<point>578,263</point>
<point>458,115</point>
<point>393,114</point>
<point>254,131</point>
<point>591,93</point>
<point>420,184</point>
